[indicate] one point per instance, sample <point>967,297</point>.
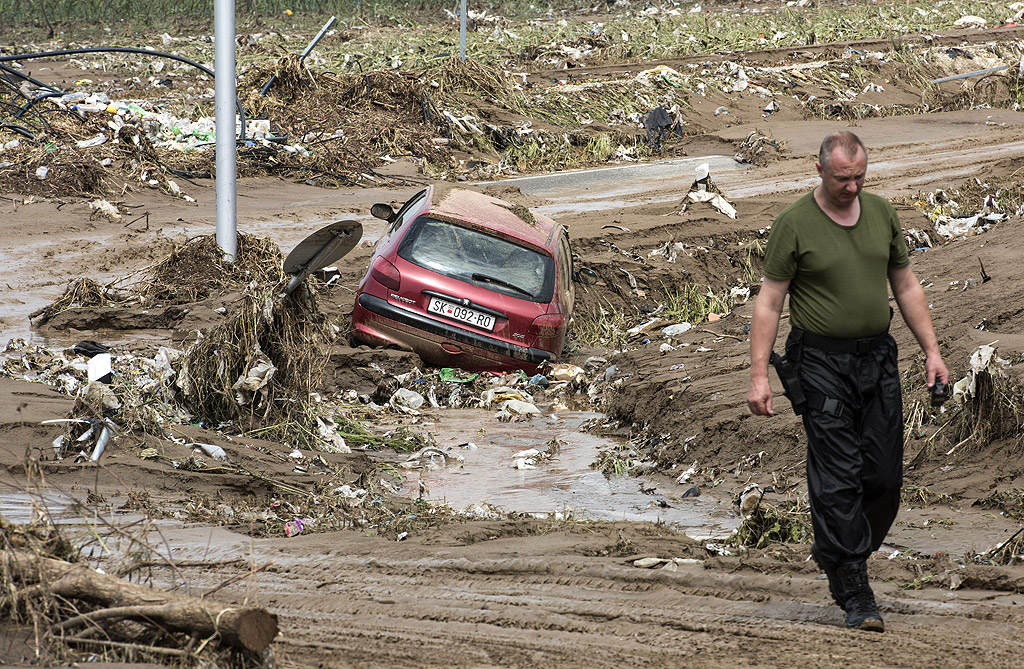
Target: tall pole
<point>224,65</point>
<point>462,32</point>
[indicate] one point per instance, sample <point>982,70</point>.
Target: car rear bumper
<point>525,354</point>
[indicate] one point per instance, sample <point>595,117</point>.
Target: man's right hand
<point>759,397</point>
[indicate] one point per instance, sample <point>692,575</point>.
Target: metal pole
<point>305,52</point>
<point>976,73</point>
<point>224,67</point>
<point>462,32</point>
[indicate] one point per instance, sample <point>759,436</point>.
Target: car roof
<point>473,209</point>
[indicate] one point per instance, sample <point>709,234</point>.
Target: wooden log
<point>245,627</point>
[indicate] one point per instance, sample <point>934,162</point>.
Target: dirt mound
<point>190,273</point>
<point>346,122</point>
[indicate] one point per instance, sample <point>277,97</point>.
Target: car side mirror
<point>585,276</point>
<point>383,211</point>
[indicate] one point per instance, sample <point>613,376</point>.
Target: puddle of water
<point>20,508</point>
<point>564,484</point>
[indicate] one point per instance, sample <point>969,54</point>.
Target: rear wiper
<point>486,278</point>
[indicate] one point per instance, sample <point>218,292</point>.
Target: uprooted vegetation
<point>191,272</point>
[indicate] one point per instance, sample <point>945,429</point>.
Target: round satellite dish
<point>323,247</point>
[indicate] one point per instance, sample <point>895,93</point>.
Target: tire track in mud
<point>564,610</point>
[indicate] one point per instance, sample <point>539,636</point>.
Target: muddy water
<point>20,508</point>
<point>564,484</point>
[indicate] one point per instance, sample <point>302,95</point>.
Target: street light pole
<point>462,32</point>
<point>224,101</point>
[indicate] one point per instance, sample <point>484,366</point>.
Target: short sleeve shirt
<point>838,275</point>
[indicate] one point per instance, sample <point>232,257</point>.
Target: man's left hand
<point>936,370</point>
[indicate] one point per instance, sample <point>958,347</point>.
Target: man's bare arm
<point>763,329</point>
<point>914,308</point>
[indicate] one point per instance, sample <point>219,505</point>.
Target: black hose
<point>121,49</point>
<point>18,129</point>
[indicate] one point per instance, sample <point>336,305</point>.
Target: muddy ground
<point>415,584</point>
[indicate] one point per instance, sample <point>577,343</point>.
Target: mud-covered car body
<point>467,280</point>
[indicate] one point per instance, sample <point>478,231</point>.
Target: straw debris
<point>192,272</point>
<point>261,363</point>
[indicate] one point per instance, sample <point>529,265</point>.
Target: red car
<point>467,280</point>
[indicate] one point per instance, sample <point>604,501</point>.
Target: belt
<point>835,345</point>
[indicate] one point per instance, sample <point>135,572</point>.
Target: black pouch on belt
<point>786,369</point>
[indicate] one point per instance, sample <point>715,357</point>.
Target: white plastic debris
<point>716,200</point>
<point>211,450</point>
<point>737,292</point>
<point>92,141</point>
<point>331,441</point>
<point>429,457</point>
<point>406,401</point>
<point>648,562</point>
<point>255,379</point>
<point>42,172</point>
<point>982,360</point>
<point>518,407</point>
<point>567,372</point>
<point>99,368</point>
<point>502,393</point>
<point>970,20</point>
<point>676,329</point>
<point>107,209</point>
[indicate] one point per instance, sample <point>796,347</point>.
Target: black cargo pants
<point>854,447</point>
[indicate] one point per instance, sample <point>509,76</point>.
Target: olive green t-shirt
<point>838,275</point>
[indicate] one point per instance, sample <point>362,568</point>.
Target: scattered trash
<point>539,380</point>
<point>704,190</point>
<point>502,393</point>
<point>406,401</point>
<point>569,373</point>
<point>99,368</point>
<point>648,562</point>
<point>676,329</point>
<point>295,526</point>
<point>750,499</point>
<point>512,410</point>
<point>255,379</point>
<point>715,549</point>
<point>211,450</point>
<point>983,360</point>
<point>685,476</point>
<point>330,440</point>
<point>659,121</point>
<point>429,457</point>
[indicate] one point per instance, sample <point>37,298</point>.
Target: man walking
<point>832,251</point>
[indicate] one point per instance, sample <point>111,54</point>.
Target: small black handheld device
<point>940,393</point>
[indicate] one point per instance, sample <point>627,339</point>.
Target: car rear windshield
<point>481,259</point>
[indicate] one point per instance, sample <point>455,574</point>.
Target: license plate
<point>460,313</point>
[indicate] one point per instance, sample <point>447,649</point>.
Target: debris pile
<point>969,210</point>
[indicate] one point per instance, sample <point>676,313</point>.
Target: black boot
<point>835,584</point>
<point>861,610</point>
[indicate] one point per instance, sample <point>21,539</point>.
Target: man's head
<point>842,164</point>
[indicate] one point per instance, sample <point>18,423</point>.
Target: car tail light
<point>386,274</point>
<point>548,325</point>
